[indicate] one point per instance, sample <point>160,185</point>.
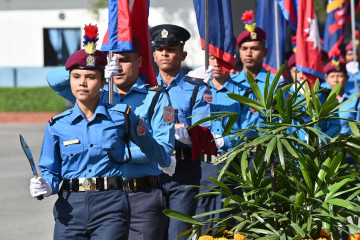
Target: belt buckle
<point>87,184</point>
<point>126,185</point>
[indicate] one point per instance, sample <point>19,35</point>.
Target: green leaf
<point>180,216</point>
<point>289,148</point>
<point>334,166</point>
<point>270,148</point>
<point>245,170</point>
<point>247,102</point>
<point>354,128</point>
<point>255,88</point>
<point>229,125</point>
<point>259,140</point>
<point>322,174</point>
<point>280,151</point>
<point>297,229</point>
<point>343,203</point>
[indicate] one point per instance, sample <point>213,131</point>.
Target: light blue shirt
<point>180,92</point>
<point>221,102</point>
<point>139,98</point>
<point>345,112</point>
<point>74,147</point>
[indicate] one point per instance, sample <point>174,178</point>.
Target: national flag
<point>308,47</point>
<point>128,19</point>
<point>265,18</point>
<point>221,37</point>
<point>337,18</point>
<point>289,11</point>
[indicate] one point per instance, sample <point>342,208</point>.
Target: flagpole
<point>206,34</point>
<point>277,40</point>
<point>110,81</point>
<point>353,40</point>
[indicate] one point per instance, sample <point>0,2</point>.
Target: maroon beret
<point>330,67</point>
<point>81,59</point>
<point>245,36</point>
<point>291,61</point>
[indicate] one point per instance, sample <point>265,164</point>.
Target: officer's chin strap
<point>127,142</point>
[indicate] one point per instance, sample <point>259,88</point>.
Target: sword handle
<point>41,197</point>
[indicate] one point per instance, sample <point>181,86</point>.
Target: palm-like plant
<point>291,189</point>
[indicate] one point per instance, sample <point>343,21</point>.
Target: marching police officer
<point>335,73</point>
<point>84,148</point>
<point>152,105</point>
<point>187,97</point>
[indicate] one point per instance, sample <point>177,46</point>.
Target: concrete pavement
<point>21,216</point>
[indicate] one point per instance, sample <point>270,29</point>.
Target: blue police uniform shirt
<point>260,79</point>
<point>347,111</point>
<point>180,92</point>
<point>139,98</point>
<point>74,147</point>
<point>350,84</point>
<point>222,103</point>
<point>328,127</point>
<point>251,117</point>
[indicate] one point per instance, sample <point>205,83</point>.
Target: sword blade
<point>28,154</point>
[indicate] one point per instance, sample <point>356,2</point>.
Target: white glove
<point>219,140</point>
<point>209,75</point>
<point>170,170</point>
<point>182,135</point>
<point>39,186</point>
<point>197,73</point>
<point>352,67</point>
<point>112,68</point>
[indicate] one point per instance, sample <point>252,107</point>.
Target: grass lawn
<point>39,99</point>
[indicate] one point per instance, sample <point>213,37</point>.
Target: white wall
<point>22,23</point>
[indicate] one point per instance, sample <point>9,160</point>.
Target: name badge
<point>69,142</point>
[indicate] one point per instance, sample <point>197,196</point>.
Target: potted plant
<point>291,189</point>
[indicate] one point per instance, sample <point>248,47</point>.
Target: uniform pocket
<point>114,148</point>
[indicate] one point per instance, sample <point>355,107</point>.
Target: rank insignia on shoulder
<point>169,114</point>
<point>208,97</point>
<point>153,88</point>
<point>70,142</point>
<point>141,127</point>
<point>249,90</point>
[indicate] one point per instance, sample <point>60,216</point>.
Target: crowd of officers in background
<point>165,112</point>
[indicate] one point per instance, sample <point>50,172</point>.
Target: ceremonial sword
<point>29,156</point>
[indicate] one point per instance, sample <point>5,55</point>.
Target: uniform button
<point>217,110</point>
<point>71,154</point>
<point>91,145</point>
<point>218,130</point>
<point>121,100</point>
<point>89,170</point>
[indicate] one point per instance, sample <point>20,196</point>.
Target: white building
<point>33,30</point>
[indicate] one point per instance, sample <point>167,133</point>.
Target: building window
<point>59,44</point>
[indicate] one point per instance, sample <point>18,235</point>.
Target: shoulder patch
<point>63,114</point>
<point>155,88</point>
<point>124,108</point>
<point>196,81</point>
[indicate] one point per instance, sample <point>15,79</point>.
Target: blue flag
<point>221,37</point>
<point>265,18</point>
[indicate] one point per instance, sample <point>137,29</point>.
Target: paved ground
<point>21,216</point>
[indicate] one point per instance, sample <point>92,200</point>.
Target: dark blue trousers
<point>180,198</point>
<point>213,202</point>
<point>95,215</point>
<point>147,220</point>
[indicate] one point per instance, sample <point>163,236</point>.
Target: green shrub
<point>40,99</point>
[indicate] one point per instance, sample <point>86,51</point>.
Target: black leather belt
<point>183,154</point>
<point>141,184</point>
<point>93,184</point>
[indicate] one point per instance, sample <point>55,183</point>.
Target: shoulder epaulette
<point>63,114</point>
<point>155,88</point>
<point>196,81</point>
<point>283,83</point>
<point>124,108</point>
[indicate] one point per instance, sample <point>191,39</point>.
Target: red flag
<point>128,19</point>
<point>202,142</point>
<point>308,47</point>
